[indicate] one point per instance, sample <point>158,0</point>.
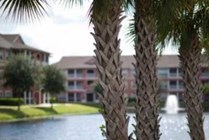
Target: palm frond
<point>100,9</point>
<point>70,3</point>
<point>130,31</point>
<point>23,10</point>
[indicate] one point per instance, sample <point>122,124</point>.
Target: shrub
<point>53,100</point>
<point>206,106</point>
<point>11,101</point>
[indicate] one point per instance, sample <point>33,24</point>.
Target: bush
<point>11,101</point>
<point>131,101</point>
<point>206,106</point>
<point>53,100</point>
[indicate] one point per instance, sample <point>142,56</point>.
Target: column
<point>66,97</point>
<point>25,97</point>
<point>44,98</point>
<point>30,97</point>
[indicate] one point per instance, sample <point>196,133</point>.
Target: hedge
<point>11,101</point>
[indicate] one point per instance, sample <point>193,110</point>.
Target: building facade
<point>82,76</point>
<point>11,44</point>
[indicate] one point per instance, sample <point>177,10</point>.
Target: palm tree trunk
<point>193,95</point>
<point>147,110</point>
<point>110,76</point>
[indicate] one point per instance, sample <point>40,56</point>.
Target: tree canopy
<point>18,73</point>
<point>53,80</point>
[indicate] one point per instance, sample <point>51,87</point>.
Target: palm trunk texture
<point>110,74</point>
<point>193,95</point>
<point>147,96</point>
<point>147,110</point>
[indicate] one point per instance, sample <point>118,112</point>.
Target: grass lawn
<point>32,111</point>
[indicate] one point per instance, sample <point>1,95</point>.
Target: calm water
<point>86,127</point>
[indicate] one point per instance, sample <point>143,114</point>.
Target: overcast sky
<point>65,33</point>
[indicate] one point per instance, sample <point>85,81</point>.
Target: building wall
<point>80,83</point>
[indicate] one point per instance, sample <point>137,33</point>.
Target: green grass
<point>32,111</point>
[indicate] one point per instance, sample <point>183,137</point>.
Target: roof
<point>26,47</point>
<point>11,37</point>
<point>72,62</point>
<point>4,43</point>
<point>15,41</point>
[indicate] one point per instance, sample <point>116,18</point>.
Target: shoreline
<point>43,117</point>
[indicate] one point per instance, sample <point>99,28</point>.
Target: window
<point>79,85</point>
<point>205,72</point>
<point>163,72</point>
<point>71,97</point>
<point>173,72</point>
<point>78,97</point>
<point>90,82</point>
<point>71,84</point>
<point>173,84</point>
<point>163,85</point>
<point>181,85</point>
<point>180,72</point>
<point>90,73</point>
<point>70,71</point>
<point>79,73</point>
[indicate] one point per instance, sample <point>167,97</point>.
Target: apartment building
<point>82,76</point>
<point>14,44</point>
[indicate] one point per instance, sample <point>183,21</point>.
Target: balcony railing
<point>173,74</point>
<point>205,74</point>
<point>90,75</point>
<point>163,75</point>
<point>173,86</point>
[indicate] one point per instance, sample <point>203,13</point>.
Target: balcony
<point>90,75</point>
<point>71,87</point>
<point>173,86</point>
<point>163,87</point>
<point>163,75</point>
<point>173,74</point>
<point>181,87</point>
<point>205,74</point>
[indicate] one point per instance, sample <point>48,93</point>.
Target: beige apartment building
<point>81,74</point>
<point>14,44</point>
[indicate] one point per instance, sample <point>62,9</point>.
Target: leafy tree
<point>53,81</point>
<point>18,75</point>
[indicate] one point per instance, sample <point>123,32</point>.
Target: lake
<point>86,127</point>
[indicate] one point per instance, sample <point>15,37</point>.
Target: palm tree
<point>186,22</point>
<point>24,10</point>
<point>107,25</point>
<point>106,18</point>
<point>147,109</point>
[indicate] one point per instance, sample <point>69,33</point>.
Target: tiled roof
<point>68,62</point>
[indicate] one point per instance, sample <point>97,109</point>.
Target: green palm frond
<point>24,10</point>
<point>130,31</point>
<point>99,9</point>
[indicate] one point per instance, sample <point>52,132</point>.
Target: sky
<point>66,32</point>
